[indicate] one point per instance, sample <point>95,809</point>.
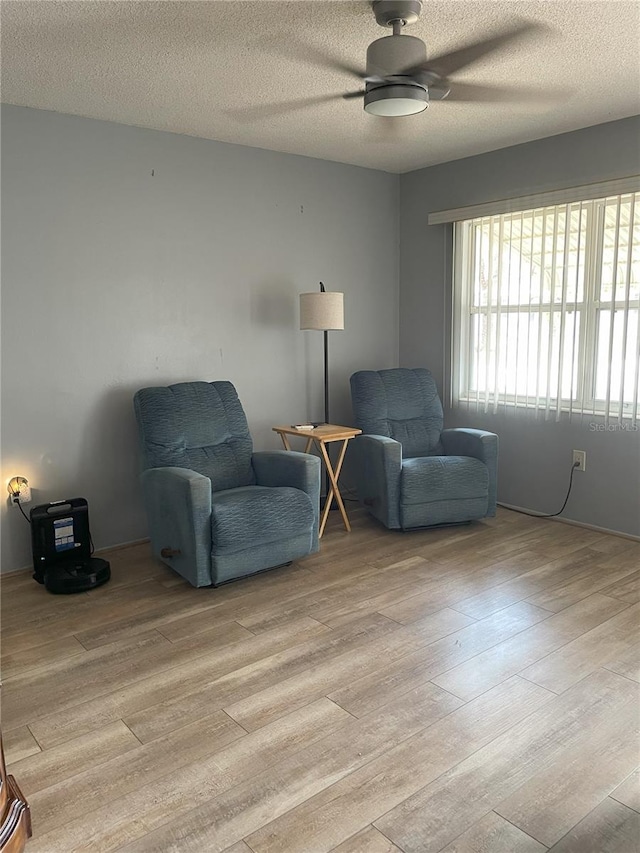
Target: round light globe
<point>402,100</point>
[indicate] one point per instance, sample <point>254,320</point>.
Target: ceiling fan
<point>399,79</point>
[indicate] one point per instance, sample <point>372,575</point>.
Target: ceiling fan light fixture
<point>399,100</point>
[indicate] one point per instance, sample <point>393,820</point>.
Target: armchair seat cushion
<point>439,478</point>
<point>258,514</point>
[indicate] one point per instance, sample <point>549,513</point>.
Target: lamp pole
<point>326,368</point>
<point>323,312</point>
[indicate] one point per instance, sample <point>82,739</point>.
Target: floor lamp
<point>323,311</point>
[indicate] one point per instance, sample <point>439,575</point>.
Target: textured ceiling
<point>202,68</point>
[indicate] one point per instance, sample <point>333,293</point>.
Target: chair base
<point>257,558</point>
<point>252,575</point>
<point>439,526</point>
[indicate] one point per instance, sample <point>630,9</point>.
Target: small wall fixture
<point>19,489</point>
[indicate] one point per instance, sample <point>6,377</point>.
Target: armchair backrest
<point>402,404</point>
<point>197,425</point>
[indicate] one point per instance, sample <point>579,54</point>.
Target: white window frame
<point>585,399</point>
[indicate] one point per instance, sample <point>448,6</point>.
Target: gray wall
<point>132,257</point>
<point>535,456</point>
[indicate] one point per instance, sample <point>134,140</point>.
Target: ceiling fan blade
<point>309,54</point>
<point>469,92</point>
<point>359,93</point>
<point>264,111</point>
<point>448,63</point>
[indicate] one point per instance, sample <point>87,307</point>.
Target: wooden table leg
<point>287,446</point>
<point>285,441</point>
<point>334,491</point>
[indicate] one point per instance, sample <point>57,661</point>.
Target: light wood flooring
<point>466,690</point>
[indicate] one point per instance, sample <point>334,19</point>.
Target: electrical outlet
<point>580,456</point>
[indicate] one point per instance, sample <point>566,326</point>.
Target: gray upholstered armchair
<point>409,471</point>
<point>217,511</point>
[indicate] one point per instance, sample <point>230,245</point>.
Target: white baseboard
<point>121,545</point>
<point>573,522</point>
<point>117,547</point>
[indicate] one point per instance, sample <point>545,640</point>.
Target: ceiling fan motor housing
<point>390,56</point>
<point>389,90</point>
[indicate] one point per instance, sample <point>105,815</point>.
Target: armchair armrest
<point>481,445</point>
<point>178,504</point>
<point>377,464</point>
<point>291,468</point>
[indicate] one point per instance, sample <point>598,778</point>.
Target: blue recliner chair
<point>409,471</point>
<point>217,510</point>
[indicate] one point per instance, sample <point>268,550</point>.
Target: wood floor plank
<point>130,563</point>
<point>145,652</point>
<point>43,623</point>
<point>239,608</point>
<point>546,574</point>
<point>330,817</point>
<point>619,546</point>
<point>557,797</point>
<point>32,695</point>
<point>175,682</point>
<point>593,579</point>
<point>115,777</point>
<point>628,792</point>
<point>240,847</point>
<point>53,766</point>
<point>372,690</point>
<point>264,706</point>
<point>158,618</point>
<point>473,544</point>
<point>542,772</point>
<point>335,566</point>
<point>437,587</point>
<point>328,603</point>
<point>627,663</point>
<point>610,828</point>
<point>615,559</point>
<point>277,649</point>
<point>18,744</point>
<point>233,814</point>
<point>627,589</point>
<point>494,834</point>
<point>428,547</point>
<point>584,655</point>
<point>438,624</point>
<point>557,541</point>
<point>454,584</point>
<point>40,656</point>
<point>472,677</point>
<point>357,639</point>
<point>370,840</point>
<point>152,805</point>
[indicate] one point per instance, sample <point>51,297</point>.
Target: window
<point>547,308</point>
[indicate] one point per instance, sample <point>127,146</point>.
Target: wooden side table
<point>321,436</point>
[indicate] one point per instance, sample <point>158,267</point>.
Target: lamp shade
<point>322,311</point>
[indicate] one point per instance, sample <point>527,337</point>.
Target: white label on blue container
<point>63,530</point>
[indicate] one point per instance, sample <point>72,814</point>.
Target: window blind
<point>547,309</point>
